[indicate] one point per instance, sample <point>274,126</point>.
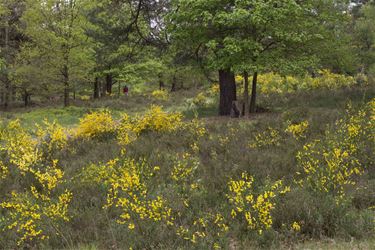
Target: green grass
<point>300,105</point>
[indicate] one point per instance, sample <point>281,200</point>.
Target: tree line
<point>52,49</point>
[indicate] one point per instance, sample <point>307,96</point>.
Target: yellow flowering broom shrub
<point>208,227</point>
<point>18,147</point>
<point>184,167</point>
<point>52,136</point>
<point>200,100</point>
<point>154,120</point>
<point>126,184</point>
<point>214,90</point>
<point>254,208</point>
<point>298,131</point>
<point>275,83</point>
<point>269,137</point>
<point>30,213</point>
<point>330,164</point>
<point>96,125</point>
<point>37,204</point>
<point>329,80</point>
<point>271,83</point>
<point>160,95</point>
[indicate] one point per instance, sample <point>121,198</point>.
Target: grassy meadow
<point>161,171</point>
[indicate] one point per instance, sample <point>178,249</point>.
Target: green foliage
<point>59,55</point>
<point>365,37</point>
<point>253,35</point>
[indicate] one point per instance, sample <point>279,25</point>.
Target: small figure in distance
<point>126,90</point>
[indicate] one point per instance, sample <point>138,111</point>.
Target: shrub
<point>330,164</point>
<point>275,83</point>
<point>214,89</point>
<point>255,209</point>
<point>160,95</point>
<point>155,119</point>
<point>269,137</point>
<point>34,204</point>
<point>298,130</point>
<point>85,98</point>
<point>125,182</point>
<point>53,136</point>
<point>96,125</point>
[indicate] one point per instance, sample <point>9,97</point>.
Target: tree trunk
<point>161,85</point>
<point>7,81</point>
<point>161,82</point>
<point>14,94</point>
<point>109,83</point>
<point>119,90</point>
<point>26,99</point>
<point>103,88</point>
<point>74,90</point>
<point>66,86</point>
<point>174,83</point>
<point>253,108</point>
<point>227,91</point>
<point>96,88</point>
<point>6,92</point>
<point>245,111</point>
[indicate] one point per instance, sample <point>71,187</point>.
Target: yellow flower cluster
<point>53,136</point>
<point>269,137</point>
<point>154,119</point>
<point>275,83</point>
<point>96,125</point>
<point>3,170</point>
<point>184,167</point>
<point>298,130</point>
<point>214,89</point>
<point>160,95</point>
<point>328,165</point>
<point>203,227</point>
<point>296,227</point>
<point>85,97</point>
<point>19,146</point>
<point>157,120</point>
<point>29,214</point>
<point>255,209</point>
<point>37,205</point>
<point>329,80</point>
<point>200,100</point>
<point>127,190</point>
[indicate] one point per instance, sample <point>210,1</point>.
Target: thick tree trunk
<point>109,83</point>
<point>253,108</point>
<point>227,91</point>
<point>66,86</point>
<point>96,88</point>
<point>245,111</point>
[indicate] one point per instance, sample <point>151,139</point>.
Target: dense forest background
<point>54,51</point>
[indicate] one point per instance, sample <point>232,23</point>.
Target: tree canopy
<point>54,49</point>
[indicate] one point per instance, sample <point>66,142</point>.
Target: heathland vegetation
<point>187,124</point>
